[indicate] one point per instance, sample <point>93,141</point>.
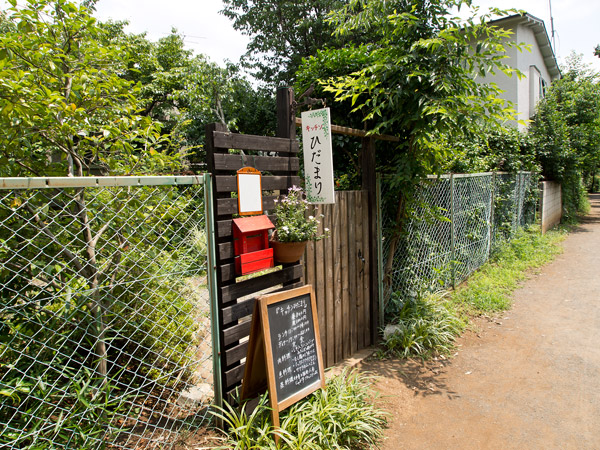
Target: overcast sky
<point>206,31</point>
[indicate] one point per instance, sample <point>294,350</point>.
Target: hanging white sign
<point>318,156</point>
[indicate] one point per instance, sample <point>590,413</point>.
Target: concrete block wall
<point>550,204</point>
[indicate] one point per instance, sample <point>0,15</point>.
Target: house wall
<point>531,63</point>
<point>523,92</point>
<point>506,83</point>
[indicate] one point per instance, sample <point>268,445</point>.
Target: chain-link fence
<point>456,222</point>
<point>105,338</point>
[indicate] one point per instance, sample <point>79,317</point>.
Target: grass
<point>429,324</point>
<point>489,290</point>
<point>424,324</point>
<point>342,416</point>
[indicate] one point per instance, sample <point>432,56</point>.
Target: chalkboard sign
<point>284,352</point>
<point>293,346</point>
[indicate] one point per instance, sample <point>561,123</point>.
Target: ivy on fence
<point>455,223</point>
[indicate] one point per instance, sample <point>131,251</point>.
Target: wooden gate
<point>339,268</point>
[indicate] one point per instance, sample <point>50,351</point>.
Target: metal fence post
<point>492,211</point>
<point>452,231</point>
<point>212,288</point>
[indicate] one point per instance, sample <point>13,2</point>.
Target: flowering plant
<point>291,223</point>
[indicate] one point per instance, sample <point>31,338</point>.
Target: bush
<point>338,417</point>
<point>423,325</point>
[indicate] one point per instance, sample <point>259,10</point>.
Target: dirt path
<point>528,380</point>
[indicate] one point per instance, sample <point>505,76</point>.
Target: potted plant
<point>292,227</point>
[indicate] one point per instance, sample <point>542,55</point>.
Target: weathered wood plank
<point>233,376</point>
<point>238,311</point>
<point>228,272</point>
<point>228,183</point>
<point>236,354</point>
<point>342,220</point>
<point>340,320</point>
<point>367,301</point>
<point>248,287</point>
<point>244,288</point>
<point>352,259</point>
<point>360,270</point>
<point>209,147</point>
<point>236,332</point>
<point>252,142</point>
<point>225,252</point>
<point>230,162</point>
<point>229,206</point>
<point>337,129</point>
<point>333,347</point>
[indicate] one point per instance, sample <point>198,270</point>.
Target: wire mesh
<point>455,223</point>
<point>105,337</point>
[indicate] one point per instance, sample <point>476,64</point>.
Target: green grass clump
<point>424,325</point>
<point>341,416</point>
<point>428,324</point>
<point>489,289</point>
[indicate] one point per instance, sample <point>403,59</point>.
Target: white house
<point>538,66</point>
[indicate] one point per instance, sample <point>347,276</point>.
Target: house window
<point>543,87</point>
<point>537,88</point>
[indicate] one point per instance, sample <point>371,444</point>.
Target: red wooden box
<point>250,234</point>
<point>251,244</point>
<point>253,262</point>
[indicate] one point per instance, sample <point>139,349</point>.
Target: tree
<point>415,79</point>
<point>566,132</point>
<point>282,33</point>
<point>66,108</point>
<point>185,91</point>
<point>597,51</point>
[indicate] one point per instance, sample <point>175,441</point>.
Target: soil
<point>527,379</point>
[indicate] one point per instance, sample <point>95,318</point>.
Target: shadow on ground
<point>422,378</point>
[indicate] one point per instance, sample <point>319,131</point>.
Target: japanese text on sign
<point>318,157</point>
<point>294,346</point>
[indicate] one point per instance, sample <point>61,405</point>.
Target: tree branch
<point>72,259</point>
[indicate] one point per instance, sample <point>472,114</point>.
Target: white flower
<point>326,230</point>
<point>311,218</point>
<point>285,228</point>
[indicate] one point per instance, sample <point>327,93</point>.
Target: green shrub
<point>338,417</point>
<point>423,325</point>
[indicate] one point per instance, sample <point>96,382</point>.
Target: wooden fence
<point>339,269</point>
<point>236,296</point>
<point>342,268</point>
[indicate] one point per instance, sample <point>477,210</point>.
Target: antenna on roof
<point>552,26</point>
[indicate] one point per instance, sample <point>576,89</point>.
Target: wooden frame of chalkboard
<point>284,352</point>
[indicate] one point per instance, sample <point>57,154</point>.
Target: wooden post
<point>369,183</point>
<point>286,120</point>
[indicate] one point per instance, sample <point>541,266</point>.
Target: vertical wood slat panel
<point>349,326</point>
<point>332,351</point>
<point>360,271</point>
<point>339,277</point>
<point>351,264</point>
<point>367,277</point>
<point>335,285</point>
<point>320,281</point>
